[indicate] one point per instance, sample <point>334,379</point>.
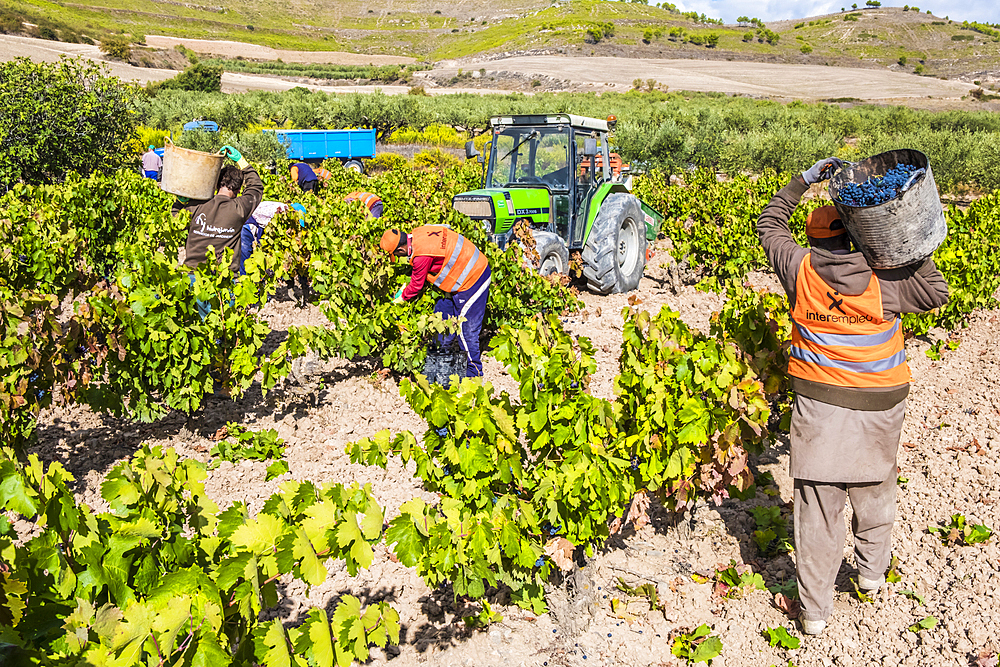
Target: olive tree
<point>62,117</point>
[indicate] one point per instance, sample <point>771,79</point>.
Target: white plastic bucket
<point>189,173</point>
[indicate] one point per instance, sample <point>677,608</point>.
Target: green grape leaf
<point>276,469</point>
<point>260,535</point>
<point>925,623</point>
<point>707,650</point>
<point>271,644</point>
<point>16,496</point>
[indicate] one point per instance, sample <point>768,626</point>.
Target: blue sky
<point>985,11</point>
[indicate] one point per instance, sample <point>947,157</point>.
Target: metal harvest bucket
<point>189,173</point>
<point>898,232</point>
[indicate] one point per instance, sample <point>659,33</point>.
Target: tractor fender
<point>596,200</point>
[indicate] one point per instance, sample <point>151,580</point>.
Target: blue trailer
<point>206,125</point>
<point>348,146</point>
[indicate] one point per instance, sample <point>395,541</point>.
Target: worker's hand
<point>398,296</point>
<point>822,170</point>
<point>232,153</point>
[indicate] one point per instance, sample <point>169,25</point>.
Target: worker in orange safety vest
<point>454,265</point>
<point>372,202</point>
<point>849,373</point>
<point>309,177</point>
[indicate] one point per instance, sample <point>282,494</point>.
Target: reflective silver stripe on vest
<point>848,340</point>
<point>451,261</point>
<point>468,270</point>
<point>877,366</point>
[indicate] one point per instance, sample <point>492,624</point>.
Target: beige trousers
<point>819,536</point>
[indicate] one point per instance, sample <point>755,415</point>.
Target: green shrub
<point>199,77</point>
<point>187,53</point>
<point>435,135</point>
<point>148,136</point>
<point>806,49</point>
<point>10,22</point>
<point>60,117</point>
<point>263,147</point>
<point>435,159</point>
<point>117,46</point>
<point>384,162</point>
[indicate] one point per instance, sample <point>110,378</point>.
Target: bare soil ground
<point>950,457</point>
<point>773,80</point>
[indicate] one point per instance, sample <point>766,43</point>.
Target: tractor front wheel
<point>553,256</point>
<point>614,256</point>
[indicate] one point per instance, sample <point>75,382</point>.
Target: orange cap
<point>391,238</point>
<point>824,223</point>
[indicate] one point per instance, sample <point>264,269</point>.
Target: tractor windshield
<point>530,155</point>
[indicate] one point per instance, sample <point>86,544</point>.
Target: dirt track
<point>746,78</point>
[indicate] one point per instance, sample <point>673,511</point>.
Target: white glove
<point>822,170</point>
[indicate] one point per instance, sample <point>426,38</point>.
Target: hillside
<point>430,30</point>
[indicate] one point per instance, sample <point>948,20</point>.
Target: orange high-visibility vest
<point>322,174</point>
<point>463,263</point>
<point>366,198</point>
<point>842,340</point>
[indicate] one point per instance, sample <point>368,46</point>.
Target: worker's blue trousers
<point>470,304</point>
<point>249,237</point>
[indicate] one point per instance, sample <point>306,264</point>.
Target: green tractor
<point>541,171</point>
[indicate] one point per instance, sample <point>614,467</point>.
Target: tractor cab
<point>557,174</point>
<point>539,171</point>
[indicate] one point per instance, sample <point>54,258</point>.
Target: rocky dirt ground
<point>949,456</point>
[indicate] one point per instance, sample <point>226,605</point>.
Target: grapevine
<point>540,478</point>
<point>166,577</point>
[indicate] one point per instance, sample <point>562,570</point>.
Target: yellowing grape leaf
<point>560,550</point>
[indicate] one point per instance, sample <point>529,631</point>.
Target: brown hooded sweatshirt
<point>218,222</point>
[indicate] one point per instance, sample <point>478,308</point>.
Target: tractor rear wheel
<point>553,256</point>
<point>357,166</point>
<point>614,256</point>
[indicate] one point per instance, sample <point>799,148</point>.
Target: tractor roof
<point>577,122</point>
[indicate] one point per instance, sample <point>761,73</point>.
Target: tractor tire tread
<point>600,252</point>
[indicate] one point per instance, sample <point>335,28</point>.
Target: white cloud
<point>984,11</point>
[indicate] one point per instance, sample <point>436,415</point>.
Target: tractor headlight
<point>475,206</point>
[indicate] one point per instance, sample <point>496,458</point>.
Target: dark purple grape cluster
<point>877,189</point>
